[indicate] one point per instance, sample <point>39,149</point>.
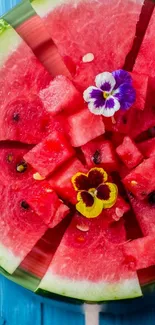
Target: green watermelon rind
<point>90,291</point>
<point>9,41</point>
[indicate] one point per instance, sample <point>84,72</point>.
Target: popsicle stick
<point>92,314</point>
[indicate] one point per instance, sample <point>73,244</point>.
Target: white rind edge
<point>91,291</point>
<point>8,261</point>
<point>9,42</point>
<point>43,7</point>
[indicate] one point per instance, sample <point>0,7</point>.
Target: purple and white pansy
<point>113,91</point>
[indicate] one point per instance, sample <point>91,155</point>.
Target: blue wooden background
<point>21,307</point>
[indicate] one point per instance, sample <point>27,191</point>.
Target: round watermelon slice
<point>98,272</point>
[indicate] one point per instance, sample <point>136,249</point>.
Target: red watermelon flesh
<point>129,153</point>
<point>100,153</point>
<point>82,20</point>
<point>49,154</point>
<point>98,272</point>
<point>17,221</point>
<point>147,147</point>
<point>40,257</point>
<point>136,252</point>
<point>118,210</point>
<point>83,126</point>
<point>145,59</point>
<point>141,180</point>
<point>21,78</point>
<point>145,215</point>
<point>61,180</point>
<point>140,83</point>
<point>42,199</point>
<point>61,95</point>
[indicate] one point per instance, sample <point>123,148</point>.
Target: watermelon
<point>140,83</point>
<point>17,221</point>
<point>135,252</point>
<point>61,95</point>
<point>129,153</point>
<point>49,154</point>
<point>82,19</point>
<point>141,180</point>
<point>147,147</point>
<point>145,212</point>
<point>61,180</point>
<point>15,172</point>
<point>145,59</point>
<point>79,127</point>
<point>90,276</point>
<point>101,153</point>
<point>22,77</point>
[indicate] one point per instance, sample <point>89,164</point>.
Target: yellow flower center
<point>105,95</point>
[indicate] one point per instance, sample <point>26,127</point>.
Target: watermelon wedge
<point>17,221</point>
<point>21,78</point>
<point>90,276</point>
<point>87,18</point>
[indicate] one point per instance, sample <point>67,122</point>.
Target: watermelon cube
<point>118,210</point>
<point>138,253</point>
<point>84,126</point>
<point>101,153</point>
<point>45,202</point>
<point>49,154</point>
<point>141,180</point>
<point>140,83</point>
<point>61,180</point>
<point>129,153</point>
<point>61,95</point>
<point>20,228</point>
<point>147,147</point>
<point>145,214</point>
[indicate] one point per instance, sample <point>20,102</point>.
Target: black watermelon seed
<point>21,167</point>
<point>97,157</point>
<point>16,117</point>
<point>24,205</point>
<point>124,120</point>
<point>151,198</point>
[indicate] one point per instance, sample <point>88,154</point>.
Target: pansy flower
<point>113,91</point>
<point>95,193</point>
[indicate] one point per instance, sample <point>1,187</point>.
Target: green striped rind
<point>19,14</point>
<point>90,291</point>
<point>9,41</point>
<point>26,280</point>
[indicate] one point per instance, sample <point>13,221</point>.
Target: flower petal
<point>112,105</point>
<point>80,182</point>
<point>89,93</point>
<point>97,176</point>
<point>94,110</point>
<point>121,77</point>
<point>107,193</point>
<point>126,95</point>
<point>105,81</point>
<point>88,211</point>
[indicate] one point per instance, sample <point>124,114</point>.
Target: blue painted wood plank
<point>6,5</point>
<point>57,316</point>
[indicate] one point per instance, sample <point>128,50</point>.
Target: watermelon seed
<point>89,57</point>
<point>134,183</point>
<point>97,157</point>
<point>82,227</point>
<point>151,198</point>
<point>21,167</point>
<point>38,177</point>
<point>16,117</point>
<point>9,157</point>
<point>25,205</point>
